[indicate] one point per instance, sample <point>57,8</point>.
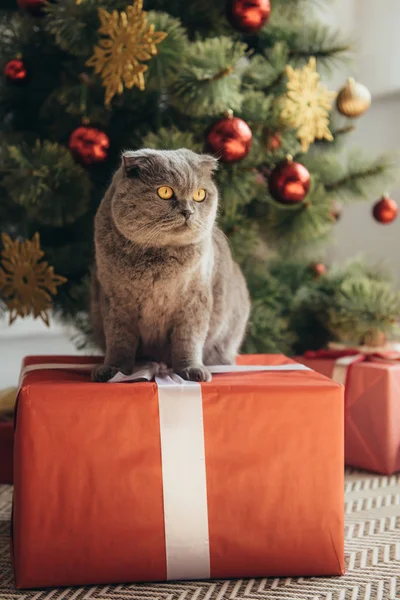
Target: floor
<point>372,558</point>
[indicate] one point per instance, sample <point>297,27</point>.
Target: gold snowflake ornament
<point>129,42</point>
<point>307,104</point>
<point>26,283</point>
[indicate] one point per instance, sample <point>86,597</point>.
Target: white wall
<point>374,27</point>
<point>26,337</point>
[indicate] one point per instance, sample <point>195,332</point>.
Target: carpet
<point>372,558</point>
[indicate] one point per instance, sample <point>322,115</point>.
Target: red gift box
<point>372,405</point>
<point>238,477</point>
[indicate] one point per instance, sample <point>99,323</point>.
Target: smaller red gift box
<point>372,405</point>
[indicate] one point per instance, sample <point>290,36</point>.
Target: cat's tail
<point>95,312</point>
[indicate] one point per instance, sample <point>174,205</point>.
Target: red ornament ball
<point>289,182</point>
<point>229,139</point>
<point>272,141</point>
<point>385,210</point>
<point>34,7</point>
<point>89,144</point>
<point>318,269</point>
<point>15,71</point>
<point>249,15</point>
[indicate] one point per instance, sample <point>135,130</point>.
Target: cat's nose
<point>186,211</point>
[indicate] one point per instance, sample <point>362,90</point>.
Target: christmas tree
<point>83,80</point>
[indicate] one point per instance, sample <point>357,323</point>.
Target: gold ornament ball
<point>354,99</point>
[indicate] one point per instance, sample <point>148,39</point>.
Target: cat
<point>164,286</point>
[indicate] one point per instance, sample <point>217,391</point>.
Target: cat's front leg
<point>121,347</point>
<point>187,353</point>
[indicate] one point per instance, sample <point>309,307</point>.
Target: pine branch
<point>201,18</point>
<point>78,97</point>
<point>171,139</point>
<point>363,307</point>
<point>268,329</point>
<point>73,26</point>
<point>267,333</point>
<point>71,304</point>
<point>343,131</point>
<point>305,39</point>
<point>237,187</point>
<point>303,225</point>
<point>47,183</point>
<point>242,235</point>
<point>266,71</point>
<point>361,177</point>
<point>73,258</point>
<point>166,64</point>
<point>209,81</point>
<point>351,305</point>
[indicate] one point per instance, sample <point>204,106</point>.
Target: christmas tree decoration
<point>307,104</point>
<point>33,7</point>
<point>385,210</point>
<point>259,177</point>
<point>336,211</point>
<point>272,141</point>
<point>229,139</point>
<point>129,41</point>
<point>89,144</point>
<point>162,75</point>
<point>354,99</point>
<point>15,71</point>
<point>318,269</point>
<point>289,182</point>
<point>27,283</point>
<point>249,16</point>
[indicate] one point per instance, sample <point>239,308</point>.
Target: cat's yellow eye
<point>199,195</point>
<point>165,192</point>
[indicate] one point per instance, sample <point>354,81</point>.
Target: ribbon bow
<point>346,357</point>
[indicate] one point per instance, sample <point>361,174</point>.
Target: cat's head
<point>165,197</point>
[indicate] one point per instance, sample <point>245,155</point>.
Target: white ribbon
<point>150,371</point>
<point>182,460</point>
<point>341,367</point>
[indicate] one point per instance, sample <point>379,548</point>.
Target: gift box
<point>6,451</point>
<point>168,480</point>
<point>372,405</point>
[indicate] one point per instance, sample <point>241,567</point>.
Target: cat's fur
<point>165,287</point>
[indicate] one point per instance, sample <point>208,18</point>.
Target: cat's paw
<point>195,373</point>
<point>103,373</point>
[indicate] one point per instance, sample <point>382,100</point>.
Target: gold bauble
<point>354,99</point>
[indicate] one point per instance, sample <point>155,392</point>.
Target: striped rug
<point>372,556</point>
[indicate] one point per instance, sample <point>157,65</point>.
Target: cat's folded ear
<point>135,161</point>
<point>208,163</point>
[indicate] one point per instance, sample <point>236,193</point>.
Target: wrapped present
<point>169,480</point>
<point>372,413</point>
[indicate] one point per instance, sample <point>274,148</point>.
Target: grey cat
<point>165,287</point>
